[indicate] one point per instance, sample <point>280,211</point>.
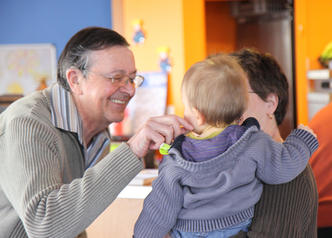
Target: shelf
<point>320,90</point>
<point>319,74</point>
<point>321,80</point>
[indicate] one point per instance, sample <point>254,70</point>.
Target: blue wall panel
<point>50,21</point>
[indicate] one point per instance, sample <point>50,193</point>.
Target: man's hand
<point>155,131</point>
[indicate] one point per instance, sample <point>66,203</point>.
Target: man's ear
<point>73,78</point>
<point>272,102</point>
<point>200,118</point>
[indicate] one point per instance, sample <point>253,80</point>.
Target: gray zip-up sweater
<point>44,189</point>
<point>222,191</point>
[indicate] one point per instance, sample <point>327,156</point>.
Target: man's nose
<point>128,87</point>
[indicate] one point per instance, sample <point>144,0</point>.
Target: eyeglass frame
<point>120,81</point>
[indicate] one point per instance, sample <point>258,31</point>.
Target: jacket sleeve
<point>282,162</point>
<point>31,177</point>
<point>161,207</point>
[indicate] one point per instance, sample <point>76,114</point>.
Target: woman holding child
<point>284,210</point>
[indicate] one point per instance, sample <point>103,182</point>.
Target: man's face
<point>101,101</point>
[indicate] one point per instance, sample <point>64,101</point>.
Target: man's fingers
<point>185,124</point>
<point>157,130</point>
<point>178,124</point>
<point>155,140</point>
<point>165,130</point>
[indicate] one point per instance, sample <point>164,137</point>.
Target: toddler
<point>212,177</point>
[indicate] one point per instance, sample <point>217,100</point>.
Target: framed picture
<point>25,68</point>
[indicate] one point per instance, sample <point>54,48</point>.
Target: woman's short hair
<point>77,50</point>
<point>217,88</point>
<point>265,77</point>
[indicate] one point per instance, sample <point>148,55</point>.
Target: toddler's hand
<point>306,128</point>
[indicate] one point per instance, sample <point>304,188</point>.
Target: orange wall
<point>177,24</point>
<point>194,31</point>
<point>180,25</point>
<point>312,33</point>
<point>162,23</point>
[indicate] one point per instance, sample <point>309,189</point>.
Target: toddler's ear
<point>200,118</point>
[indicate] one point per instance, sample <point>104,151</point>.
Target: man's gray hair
<point>77,51</point>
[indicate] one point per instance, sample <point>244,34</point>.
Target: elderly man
<point>53,182</point>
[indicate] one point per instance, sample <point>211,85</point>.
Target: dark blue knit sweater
<point>221,191</point>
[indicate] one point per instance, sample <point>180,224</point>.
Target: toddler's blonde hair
<point>217,88</point>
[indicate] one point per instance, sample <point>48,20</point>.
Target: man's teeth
<point>118,101</point>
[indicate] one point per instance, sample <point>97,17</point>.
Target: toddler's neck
<point>207,133</point>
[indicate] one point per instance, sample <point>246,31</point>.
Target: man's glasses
<point>123,80</point>
<point>136,81</point>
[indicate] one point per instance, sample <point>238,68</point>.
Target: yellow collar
<point>208,132</point>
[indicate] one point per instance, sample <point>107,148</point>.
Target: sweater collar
<point>64,112</point>
<point>64,115</point>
